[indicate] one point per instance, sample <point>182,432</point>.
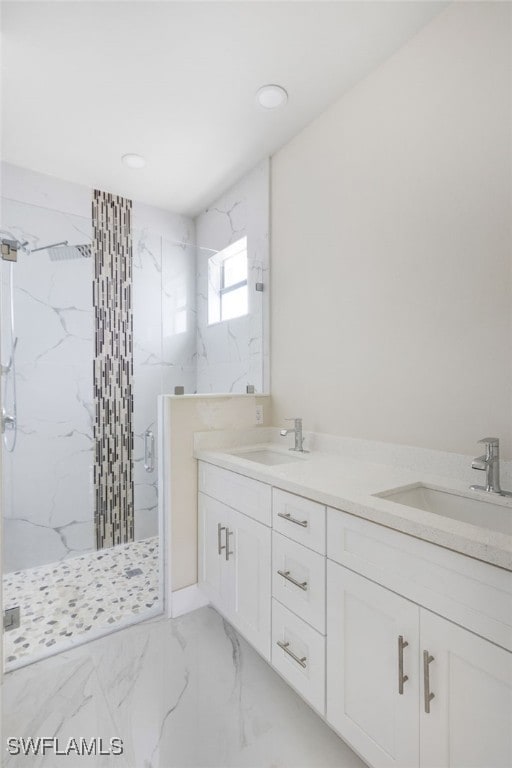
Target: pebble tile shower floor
<point>62,600</point>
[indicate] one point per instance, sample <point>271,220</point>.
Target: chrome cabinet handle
<point>301,585</point>
<point>220,546</point>
<point>149,451</point>
<point>228,551</point>
<point>401,677</point>
<point>427,659</point>
<point>291,519</point>
<point>286,649</point>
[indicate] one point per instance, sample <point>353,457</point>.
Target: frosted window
<point>235,268</point>
<point>234,303</point>
<point>227,283</point>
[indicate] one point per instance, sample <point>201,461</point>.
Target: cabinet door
<point>250,562</point>
<point>364,703</point>
<point>470,719</point>
<point>213,577</point>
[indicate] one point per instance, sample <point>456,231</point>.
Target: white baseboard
<point>186,600</point>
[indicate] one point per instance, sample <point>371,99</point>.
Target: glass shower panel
<point>164,354</point>
<point>179,316</point>
<point>147,377</point>
<point>48,514</point>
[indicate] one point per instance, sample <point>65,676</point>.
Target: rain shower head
<point>64,251</point>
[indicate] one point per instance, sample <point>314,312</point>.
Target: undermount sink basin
<point>486,513</point>
<point>265,456</point>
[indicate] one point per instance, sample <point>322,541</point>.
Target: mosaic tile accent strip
<point>113,369</point>
<point>62,600</point>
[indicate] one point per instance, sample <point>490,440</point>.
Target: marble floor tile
<point>186,692</point>
<point>63,600</point>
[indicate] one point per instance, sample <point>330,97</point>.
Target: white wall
<point>391,247</point>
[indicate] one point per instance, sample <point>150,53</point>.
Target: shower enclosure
<point>99,315</point>
<point>59,588</point>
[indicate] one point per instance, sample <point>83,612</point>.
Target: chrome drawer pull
<point>220,545</point>
<point>401,677</point>
<point>286,649</point>
<point>301,585</point>
<point>427,659</point>
<point>287,516</point>
<point>228,550</point>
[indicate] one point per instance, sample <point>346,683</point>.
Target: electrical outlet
<point>259,414</point>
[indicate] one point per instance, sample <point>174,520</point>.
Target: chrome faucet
<point>490,464</point>
<point>297,431</point>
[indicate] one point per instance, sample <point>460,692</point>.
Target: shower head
<point>64,252</point>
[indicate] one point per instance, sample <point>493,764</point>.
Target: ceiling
<point>85,82</point>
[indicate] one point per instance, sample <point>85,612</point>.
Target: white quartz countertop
<point>349,484</point>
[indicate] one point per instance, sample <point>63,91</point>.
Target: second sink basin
<point>486,513</point>
<point>265,456</point>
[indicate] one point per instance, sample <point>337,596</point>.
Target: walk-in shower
<point>59,586</point>
<point>100,314</point>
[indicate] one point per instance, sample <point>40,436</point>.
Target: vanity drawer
<point>307,568</point>
<point>242,493</point>
<point>300,519</point>
<point>476,595</point>
<point>305,669</point>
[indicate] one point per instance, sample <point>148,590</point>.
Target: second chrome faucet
<point>297,431</point>
<point>490,464</point>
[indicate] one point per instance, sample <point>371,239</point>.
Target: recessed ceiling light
<point>271,96</point>
<point>133,161</point>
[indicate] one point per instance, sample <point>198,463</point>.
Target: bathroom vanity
<point>378,614</point>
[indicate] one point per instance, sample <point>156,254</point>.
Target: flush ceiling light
<point>133,161</point>
<point>271,96</point>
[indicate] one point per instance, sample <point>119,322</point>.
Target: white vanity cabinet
<point>470,719</point>
<point>454,710</point>
<point>372,705</point>
<point>298,595</point>
<point>248,496</point>
<point>215,575</point>
<point>298,654</point>
<point>235,562</point>
<point>298,580</point>
<point>299,519</point>
<point>404,647</point>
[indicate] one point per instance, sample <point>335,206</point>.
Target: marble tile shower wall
<point>234,353</point>
<point>48,514</point>
<point>48,488</point>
